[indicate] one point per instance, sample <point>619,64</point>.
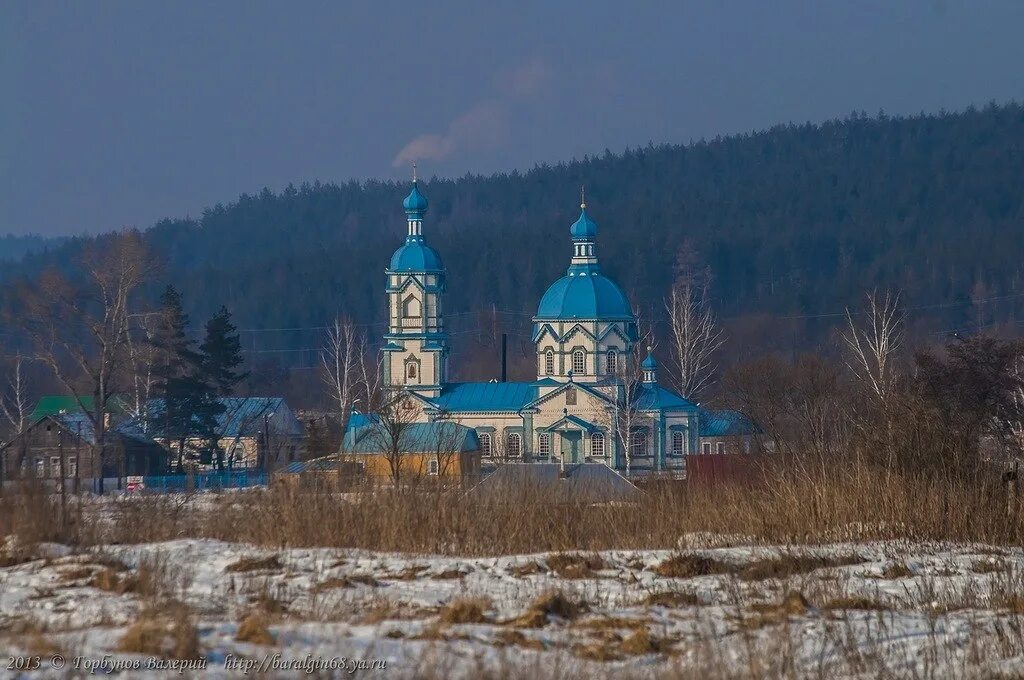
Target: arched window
<point>638,447</point>
<point>579,362</point>
<point>612,359</point>
<point>544,444</point>
<point>514,445</point>
<point>411,308</point>
<point>549,362</point>
<point>485,444</point>
<point>597,444</point>
<point>677,443</point>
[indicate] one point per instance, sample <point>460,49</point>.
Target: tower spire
<point>583,197</point>
<point>414,172</point>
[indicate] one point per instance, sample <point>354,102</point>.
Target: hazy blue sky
<point>119,113</point>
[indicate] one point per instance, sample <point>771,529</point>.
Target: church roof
<point>583,229</point>
<point>485,396</point>
<point>726,423</point>
<point>415,202</point>
<point>415,256</point>
<point>584,295</point>
<point>655,397</point>
<point>433,437</point>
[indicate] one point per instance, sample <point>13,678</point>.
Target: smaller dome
<point>583,229</point>
<point>649,363</point>
<point>415,202</point>
<point>416,256</point>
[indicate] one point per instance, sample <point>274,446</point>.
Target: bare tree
<point>625,418</point>
<point>80,329</point>
<point>873,344</point>
<point>447,444</point>
<point>388,434</point>
<point>14,401</point>
<point>343,362</point>
<point>696,335</point>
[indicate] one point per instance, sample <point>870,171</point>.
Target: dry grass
<point>254,628</point>
<point>550,604</point>
<point>895,570</point>
<point>788,565</point>
<point>858,602</point>
<point>575,565</point>
<point>673,598</point>
<point>990,566</point>
<point>783,505</point>
<point>169,634</point>
<point>246,564</point>
<point>687,565</point>
<point>466,610</point>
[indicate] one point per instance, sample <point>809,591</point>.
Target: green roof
<point>54,404</point>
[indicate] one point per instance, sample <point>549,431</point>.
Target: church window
<point>638,447</point>
<point>514,445</point>
<point>544,444</point>
<point>410,371</point>
<point>613,362</point>
<point>597,444</point>
<point>549,362</point>
<point>485,444</point>
<point>411,307</point>
<point>579,362</point>
<point>570,397</point>
<point>432,466</point>
<point>677,443</point>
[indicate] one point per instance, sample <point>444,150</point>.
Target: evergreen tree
<point>222,353</point>
<point>188,409</point>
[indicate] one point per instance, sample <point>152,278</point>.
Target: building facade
<point>588,402</point>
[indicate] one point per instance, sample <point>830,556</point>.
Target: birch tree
<point>695,334</point>
<point>873,344</point>
<point>343,364</point>
<point>80,330</point>
<point>15,401</point>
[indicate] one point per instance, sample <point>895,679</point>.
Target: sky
<point>116,114</point>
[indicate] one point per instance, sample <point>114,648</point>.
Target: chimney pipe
<point>504,357</point>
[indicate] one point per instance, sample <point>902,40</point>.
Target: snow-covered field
<point>716,607</point>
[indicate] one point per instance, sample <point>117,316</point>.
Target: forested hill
<point>796,220</point>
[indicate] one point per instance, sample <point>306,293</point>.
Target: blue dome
<point>583,229</point>
<point>415,202</point>
<point>584,296</point>
<point>415,256</point>
<point>649,363</point>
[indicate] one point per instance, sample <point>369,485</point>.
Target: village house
<point>728,432</point>
<point>64,445</point>
<point>432,449</point>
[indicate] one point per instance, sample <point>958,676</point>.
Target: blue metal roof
<point>242,416</point>
<point>726,423</point>
<point>443,437</point>
<point>649,364</point>
<point>486,396</point>
<point>653,396</point>
<point>572,420</point>
<point>415,256</point>
<point>584,294</point>
<point>583,229</point>
<point>77,422</point>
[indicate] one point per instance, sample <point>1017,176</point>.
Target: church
<point>587,403</point>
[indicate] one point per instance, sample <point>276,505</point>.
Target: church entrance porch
<point>572,446</point>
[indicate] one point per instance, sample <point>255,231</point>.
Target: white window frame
<point>55,466</point>
<point>485,443</point>
<point>41,468</point>
<point>73,466</point>
<point>597,445</point>
<point>639,446</point>
<point>549,361</point>
<point>612,360</point>
<point>544,444</point>
<point>705,448</point>
<point>579,362</point>
<point>678,443</point>
<point>433,467</point>
<point>513,445</point>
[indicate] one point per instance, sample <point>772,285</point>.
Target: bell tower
<point>416,345</point>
